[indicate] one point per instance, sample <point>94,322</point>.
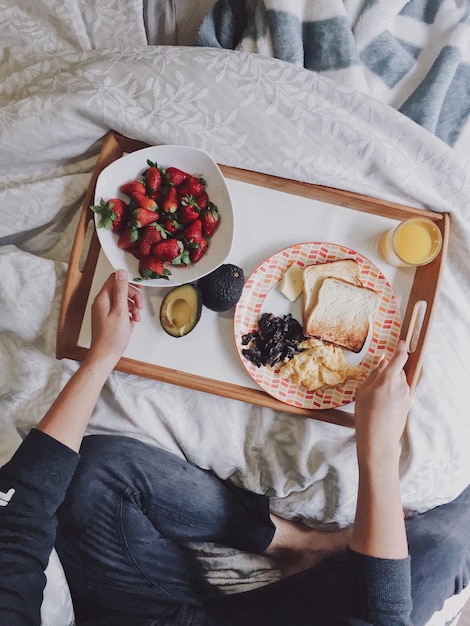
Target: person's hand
<point>114,313</point>
<point>382,404</point>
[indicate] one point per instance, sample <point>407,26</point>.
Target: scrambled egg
<point>319,365</point>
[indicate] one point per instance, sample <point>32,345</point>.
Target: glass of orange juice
<point>415,241</point>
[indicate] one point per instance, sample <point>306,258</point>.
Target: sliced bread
<point>342,313</point>
<point>314,275</point>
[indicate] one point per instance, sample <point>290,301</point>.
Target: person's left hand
<point>114,313</point>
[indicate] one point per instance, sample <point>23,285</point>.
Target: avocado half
<point>181,310</point>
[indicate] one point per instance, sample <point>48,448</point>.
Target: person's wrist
<point>101,362</point>
<point>373,455</point>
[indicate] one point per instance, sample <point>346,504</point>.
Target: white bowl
<point>193,161</point>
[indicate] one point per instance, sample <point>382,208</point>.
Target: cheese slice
<point>292,282</point>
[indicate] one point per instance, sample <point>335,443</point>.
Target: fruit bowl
<point>191,160</point>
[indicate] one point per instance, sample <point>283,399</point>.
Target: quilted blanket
<point>412,54</point>
<point>72,70</point>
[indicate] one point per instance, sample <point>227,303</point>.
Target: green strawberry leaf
<point>107,222</point>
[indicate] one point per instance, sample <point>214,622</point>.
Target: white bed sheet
<point>69,72</point>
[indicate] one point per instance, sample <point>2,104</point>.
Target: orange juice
<point>415,241</point>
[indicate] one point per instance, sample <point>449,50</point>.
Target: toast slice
<point>314,275</point>
<point>342,314</point>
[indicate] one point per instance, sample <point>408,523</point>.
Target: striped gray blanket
<point>413,55</point>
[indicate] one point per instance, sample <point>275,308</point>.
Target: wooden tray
<point>86,251</point>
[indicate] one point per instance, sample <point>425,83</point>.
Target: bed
<point>71,71</point>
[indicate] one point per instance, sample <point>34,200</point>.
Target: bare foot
<point>297,547</point>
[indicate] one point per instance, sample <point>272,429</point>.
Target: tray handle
<point>416,325</point>
<point>422,304</point>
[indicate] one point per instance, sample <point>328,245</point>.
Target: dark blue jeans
<point>132,509</point>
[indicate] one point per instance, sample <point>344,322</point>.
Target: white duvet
<point>69,72</point>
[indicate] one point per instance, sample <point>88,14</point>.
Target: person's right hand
<point>114,313</point>
<point>382,404</point>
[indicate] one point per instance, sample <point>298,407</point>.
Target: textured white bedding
<point>69,72</point>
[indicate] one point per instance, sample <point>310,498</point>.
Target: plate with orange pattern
<point>261,295</point>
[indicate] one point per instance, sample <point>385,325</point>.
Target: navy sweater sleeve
<point>32,486</point>
<point>386,585</point>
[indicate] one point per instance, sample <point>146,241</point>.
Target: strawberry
<point>202,200</point>
<point>210,220</point>
<point>189,210</point>
<point>196,253</point>
<point>136,252</point>
<point>175,176</point>
<point>143,217</point>
<point>167,250</point>
<point>157,196</point>
<point>153,177</point>
<point>172,226</point>
<point>192,234</point>
<point>170,203</point>
<point>144,202</point>
<point>128,238</point>
<point>151,267</point>
<point>191,187</point>
<point>134,186</point>
<point>114,214</point>
<point>171,250</point>
<point>151,235</point>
